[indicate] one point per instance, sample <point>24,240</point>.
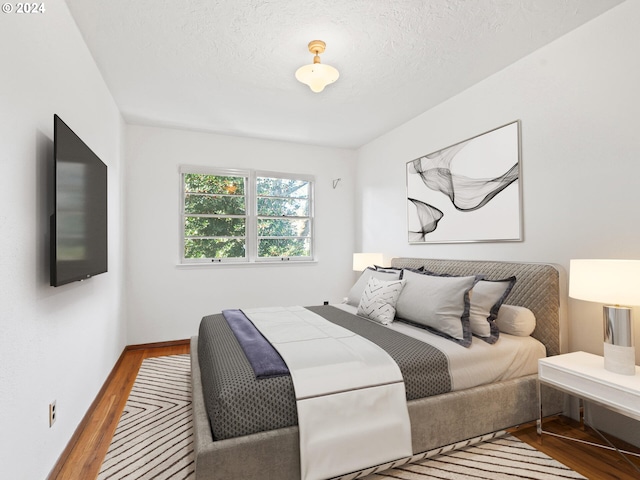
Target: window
<point>245,216</point>
<point>214,219</point>
<point>284,219</point>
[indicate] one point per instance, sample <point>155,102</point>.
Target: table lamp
<point>616,283</point>
<point>363,260</point>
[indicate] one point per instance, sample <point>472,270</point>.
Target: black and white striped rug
<point>500,458</point>
<point>154,440</point>
<point>154,437</point>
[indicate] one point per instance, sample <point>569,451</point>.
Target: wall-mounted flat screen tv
<point>79,222</point>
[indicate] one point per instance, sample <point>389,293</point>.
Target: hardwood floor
<point>83,456</point>
<point>592,462</point>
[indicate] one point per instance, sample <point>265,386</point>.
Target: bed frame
<point>435,421</point>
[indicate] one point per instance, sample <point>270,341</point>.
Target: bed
<point>436,421</point>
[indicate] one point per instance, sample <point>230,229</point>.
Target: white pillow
<point>358,288</point>
<point>516,320</point>
<point>379,299</point>
<point>440,303</point>
<point>486,298</point>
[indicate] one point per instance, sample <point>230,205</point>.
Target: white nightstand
<point>583,375</point>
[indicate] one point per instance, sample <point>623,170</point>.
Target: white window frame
<point>251,208</point>
<point>254,220</point>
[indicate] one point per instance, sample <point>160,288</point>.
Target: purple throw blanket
<point>264,359</point>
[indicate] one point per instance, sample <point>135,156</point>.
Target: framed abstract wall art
<point>468,192</point>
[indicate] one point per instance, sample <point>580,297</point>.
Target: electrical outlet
<point>53,413</point>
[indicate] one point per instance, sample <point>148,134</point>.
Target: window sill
<point>278,263</point>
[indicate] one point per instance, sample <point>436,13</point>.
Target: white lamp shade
<point>317,76</point>
<point>613,282</point>
<point>363,260</point>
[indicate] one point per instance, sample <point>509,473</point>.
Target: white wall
<point>56,343</point>
<point>167,302</point>
<point>578,100</point>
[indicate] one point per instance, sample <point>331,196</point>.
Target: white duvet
<point>350,395</point>
<point>481,363</point>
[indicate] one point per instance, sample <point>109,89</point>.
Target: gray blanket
<point>239,404</point>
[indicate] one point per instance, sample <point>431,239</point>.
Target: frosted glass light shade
<point>317,76</point>
<point>364,260</point>
<point>614,282</point>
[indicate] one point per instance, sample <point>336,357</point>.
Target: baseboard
<point>172,343</point>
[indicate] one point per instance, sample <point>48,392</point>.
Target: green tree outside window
<point>217,217</point>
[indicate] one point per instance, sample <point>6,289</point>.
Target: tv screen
<point>79,221</point>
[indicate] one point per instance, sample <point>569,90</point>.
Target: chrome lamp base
<point>619,352</point>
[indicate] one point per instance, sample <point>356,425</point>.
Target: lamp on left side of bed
<point>616,284</point>
<point>363,260</point>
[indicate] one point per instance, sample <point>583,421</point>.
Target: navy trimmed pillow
<point>440,303</point>
<point>397,269</point>
<point>487,297</point>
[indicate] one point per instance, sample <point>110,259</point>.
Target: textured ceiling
<point>228,66</point>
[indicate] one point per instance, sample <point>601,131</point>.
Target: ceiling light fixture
<point>317,75</point>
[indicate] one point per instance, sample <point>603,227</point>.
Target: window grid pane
<point>284,247</point>
<point>214,227</point>
<point>207,248</point>
<point>214,204</point>
<point>282,187</point>
<point>284,227</point>
<point>214,184</point>
<point>283,207</point>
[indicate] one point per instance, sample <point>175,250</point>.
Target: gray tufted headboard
<point>537,288</point>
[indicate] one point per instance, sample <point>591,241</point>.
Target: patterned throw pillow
<point>355,294</point>
<point>378,301</point>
